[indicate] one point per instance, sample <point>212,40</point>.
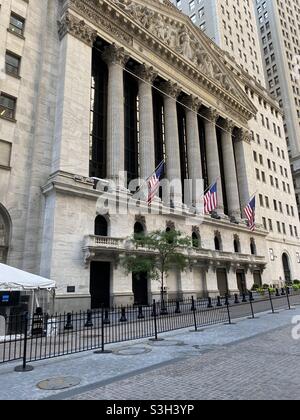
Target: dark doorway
<point>140,288</point>
<point>286,269</point>
<point>241,281</point>
<point>222,282</point>
<point>257,278</point>
<point>100,284</point>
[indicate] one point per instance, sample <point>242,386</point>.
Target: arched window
<point>139,230</point>
<point>217,243</point>
<point>101,226</point>
<point>237,245</point>
<point>196,240</point>
<point>253,247</point>
<point>4,234</point>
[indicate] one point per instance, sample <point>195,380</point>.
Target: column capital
<point>192,102</point>
<point>243,135</point>
<point>212,114</point>
<point>115,55</point>
<point>228,125</point>
<point>146,73</point>
<point>171,89</point>
<point>70,24</point>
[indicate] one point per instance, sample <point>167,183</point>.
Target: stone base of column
<point>213,293</point>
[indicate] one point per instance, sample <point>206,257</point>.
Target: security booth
<point>22,292</point>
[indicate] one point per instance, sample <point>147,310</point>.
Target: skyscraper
<point>232,26</point>
<point>278,24</point>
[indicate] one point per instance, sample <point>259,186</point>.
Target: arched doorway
<point>4,234</point>
<point>286,268</point>
<point>139,229</point>
<point>101,226</point>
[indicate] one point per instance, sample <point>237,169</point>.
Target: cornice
<point>109,17</point>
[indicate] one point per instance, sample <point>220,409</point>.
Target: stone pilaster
<point>116,58</point>
<point>172,91</point>
<point>70,24</point>
<point>212,153</point>
<point>72,126</point>
<point>147,147</point>
<point>232,192</point>
<point>193,145</point>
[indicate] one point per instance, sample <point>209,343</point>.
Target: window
<point>12,63</point>
<point>7,106</point>
<point>17,24</point>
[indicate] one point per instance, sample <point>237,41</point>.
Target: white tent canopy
<point>12,279</point>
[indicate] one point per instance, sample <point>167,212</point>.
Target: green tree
<point>157,253</point>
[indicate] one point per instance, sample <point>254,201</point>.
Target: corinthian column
<point>212,153</point>
<point>147,147</point>
<point>232,191</point>
<point>116,59</point>
<point>193,145</point>
<point>172,91</point>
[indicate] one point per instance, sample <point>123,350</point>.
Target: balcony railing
<point>103,243</point>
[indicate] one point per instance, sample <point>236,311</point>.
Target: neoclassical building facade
<point>118,87</point>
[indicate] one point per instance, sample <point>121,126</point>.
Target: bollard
<point>244,298</point>
<point>288,297</point>
<point>236,299</point>
<point>277,293</point>
<point>209,305</point>
<point>141,315</point>
<point>219,301</point>
<point>89,322</point>
<point>282,292</point>
<point>69,325</point>
<point>177,310</point>
<point>106,320</point>
<point>123,316</point>
<point>194,313</point>
<point>25,367</point>
<point>251,298</point>
<point>271,301</point>
<point>226,300</point>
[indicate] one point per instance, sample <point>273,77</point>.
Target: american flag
<point>153,182</point>
<point>211,199</point>
<point>250,214</point>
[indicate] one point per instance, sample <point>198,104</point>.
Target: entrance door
<point>222,282</point>
<point>286,269</point>
<point>241,281</point>
<point>100,284</point>
<point>140,288</point>
<point>257,278</point>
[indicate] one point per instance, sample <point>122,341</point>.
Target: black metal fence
<point>43,337</point>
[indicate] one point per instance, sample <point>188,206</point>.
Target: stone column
<point>172,91</point>
<point>232,191</point>
<point>147,147</point>
<point>212,153</point>
<point>116,59</point>
<point>193,146</point>
<point>244,166</point>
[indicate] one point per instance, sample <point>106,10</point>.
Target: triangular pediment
<point>174,29</point>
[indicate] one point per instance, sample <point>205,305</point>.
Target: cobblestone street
<point>263,367</point>
<point>252,359</point>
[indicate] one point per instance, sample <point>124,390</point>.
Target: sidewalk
<point>135,358</point>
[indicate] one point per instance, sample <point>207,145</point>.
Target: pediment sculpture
<point>178,37</point>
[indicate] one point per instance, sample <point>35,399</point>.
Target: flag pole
<point>207,189</point>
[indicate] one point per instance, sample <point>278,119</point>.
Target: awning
<point>12,279</point>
